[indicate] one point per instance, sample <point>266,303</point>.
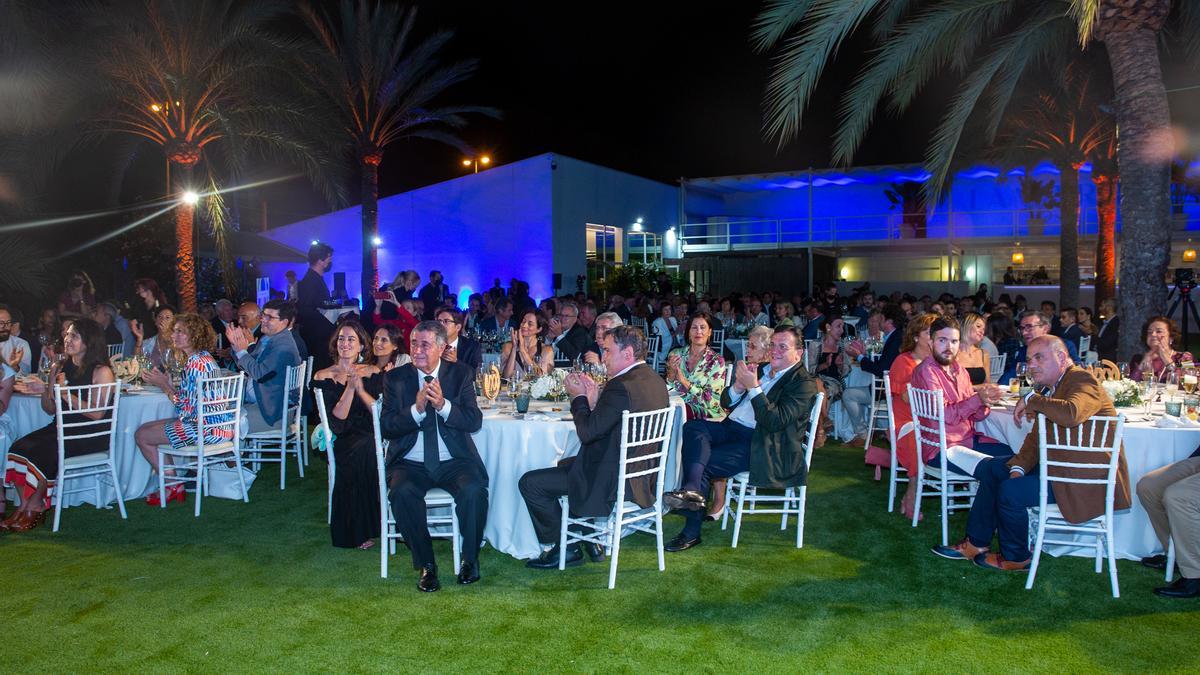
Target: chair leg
<point>162,481</point>
<point>455,542</point>
<point>237,466</point>
<point>1099,546</point>
<point>728,501</point>
<point>99,498</point>
<point>737,519</point>
<point>658,536</point>
<point>920,495</point>
<point>562,535</point>
<point>112,468</point>
<point>385,532</point>
<point>200,470</point>
<point>787,504</point>
<point>892,487</point>
<point>945,503</point>
<point>615,529</point>
<point>59,486</point>
<point>299,459</point>
<point>1170,559</point>
<point>1037,550</point>
<point>802,501</point>
<point>1112,559</point>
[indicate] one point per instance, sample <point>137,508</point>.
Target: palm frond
<point>777,19</point>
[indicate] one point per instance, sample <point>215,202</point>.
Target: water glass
<point>523,401</point>
<point>1174,408</point>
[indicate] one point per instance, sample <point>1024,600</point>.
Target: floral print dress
<point>183,432</point>
<point>703,398</point>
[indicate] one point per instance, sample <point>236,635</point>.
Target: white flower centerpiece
<point>549,387</point>
<point>1124,393</point>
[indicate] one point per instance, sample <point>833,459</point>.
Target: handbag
<point>223,482</point>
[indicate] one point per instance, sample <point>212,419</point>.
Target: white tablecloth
<point>1146,448</point>
<point>133,470</point>
<point>511,447</point>
<point>843,426</point>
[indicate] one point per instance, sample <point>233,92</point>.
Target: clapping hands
<point>745,376</point>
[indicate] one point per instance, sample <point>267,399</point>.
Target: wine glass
<point>1170,383</point>
<point>1022,369</point>
<point>1124,368</point>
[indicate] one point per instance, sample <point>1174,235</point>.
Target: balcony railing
<point>737,235</point>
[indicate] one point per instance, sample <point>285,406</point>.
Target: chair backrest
<point>728,375</point>
<point>380,448</point>
<point>929,421</point>
<point>718,340</point>
<point>220,409</point>
<point>1085,344</point>
<point>322,414</point>
<point>115,350</point>
<point>810,434</point>
<point>997,367</point>
<point>308,372</point>
<point>652,346</point>
<point>1088,454</point>
<point>891,414</point>
<point>85,399</point>
<point>638,322</point>
<point>293,396</point>
<point>651,431</point>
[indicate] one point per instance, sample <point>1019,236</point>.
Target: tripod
<point>1189,307</point>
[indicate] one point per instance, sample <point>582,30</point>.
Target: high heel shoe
<point>718,501</point>
<point>175,493</point>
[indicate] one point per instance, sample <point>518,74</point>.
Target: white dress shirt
<point>417,454</point>
<point>13,342</point>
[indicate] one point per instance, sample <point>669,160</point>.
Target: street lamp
<point>476,161</point>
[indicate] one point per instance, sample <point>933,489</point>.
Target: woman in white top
<point>665,327</point>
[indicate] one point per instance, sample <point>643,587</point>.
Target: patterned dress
<point>182,432</point>
<point>703,398</point>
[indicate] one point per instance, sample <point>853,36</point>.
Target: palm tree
<point>382,83</point>
<point>184,75</point>
<point>991,45</point>
<point>1104,175</point>
<point>1063,122</point>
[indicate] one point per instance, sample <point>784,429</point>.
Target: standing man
<point>314,328</point>
<point>1105,342</point>
<point>429,414</point>
<point>1007,488</point>
<point>267,366</point>
<point>458,347</point>
<point>14,349</point>
<point>565,333</point>
<point>589,480</point>
<point>434,294</point>
<point>763,434</point>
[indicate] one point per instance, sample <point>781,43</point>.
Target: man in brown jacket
<point>1068,397</point>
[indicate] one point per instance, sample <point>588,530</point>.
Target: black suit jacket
<point>780,421</point>
<point>1105,342</point>
<point>574,343</point>
<point>434,297</point>
<point>313,327</point>
<point>470,353</point>
<point>396,423</point>
<point>592,477</point>
<point>891,349</point>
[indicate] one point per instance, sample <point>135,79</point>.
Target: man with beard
<point>13,349</point>
<point>964,404</point>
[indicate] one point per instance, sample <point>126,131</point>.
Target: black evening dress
<point>977,374</point>
<point>33,458</point>
<point>356,485</point>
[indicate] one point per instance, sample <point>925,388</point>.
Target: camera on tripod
<point>1185,279</point>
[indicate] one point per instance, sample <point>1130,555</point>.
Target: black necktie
<point>430,435</point>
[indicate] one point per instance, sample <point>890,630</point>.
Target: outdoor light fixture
<point>315,242</point>
<point>377,241</point>
<point>1018,258</point>
<point>190,198</point>
<point>476,161</point>
<point>637,225</point>
<point>156,107</point>
<point>1189,255</point>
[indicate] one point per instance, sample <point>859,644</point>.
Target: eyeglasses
<point>447,322</point>
<point>269,317</point>
<point>5,324</point>
<point>566,316</point>
<point>1031,326</point>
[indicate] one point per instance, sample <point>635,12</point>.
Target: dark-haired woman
<point>387,348</point>
<point>1161,335</point>
<point>350,387</point>
<point>33,459</point>
<point>152,297</point>
<point>527,352</point>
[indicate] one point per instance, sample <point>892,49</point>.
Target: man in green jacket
<point>763,433</point>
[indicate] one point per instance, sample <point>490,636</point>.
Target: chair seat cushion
<point>951,476</point>
<point>84,460</point>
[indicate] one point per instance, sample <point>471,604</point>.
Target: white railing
<point>830,230</point>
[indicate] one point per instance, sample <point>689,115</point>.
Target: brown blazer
<point>1078,397</point>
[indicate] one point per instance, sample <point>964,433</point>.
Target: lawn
<point>257,587</point>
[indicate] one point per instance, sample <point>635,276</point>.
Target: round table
<point>135,409</point>
<point>1147,448</point>
<point>510,446</point>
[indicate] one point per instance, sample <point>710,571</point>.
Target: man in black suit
<point>458,348</point>
<point>429,414</point>
<point>1105,342</point>
<point>590,480</point>
<point>314,328</point>
<point>434,294</point>
<point>763,434</point>
<point>565,333</point>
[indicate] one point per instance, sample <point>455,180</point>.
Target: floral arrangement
<point>1124,393</point>
<point>126,370</point>
<point>549,387</point>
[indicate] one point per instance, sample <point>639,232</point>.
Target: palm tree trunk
<point>1106,241</point>
<point>1143,160</point>
<point>185,255</point>
<point>1068,256</point>
<point>370,224</point>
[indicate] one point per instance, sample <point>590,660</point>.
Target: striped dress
<point>182,432</point>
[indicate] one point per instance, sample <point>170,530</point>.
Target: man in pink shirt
<point>965,404</point>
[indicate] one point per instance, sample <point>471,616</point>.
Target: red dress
<point>898,379</point>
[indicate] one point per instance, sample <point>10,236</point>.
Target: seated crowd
<point>744,413</point>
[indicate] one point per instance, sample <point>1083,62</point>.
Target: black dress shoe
<point>595,552</point>
<point>681,542</point>
<point>548,560</point>
<point>428,582</point>
<point>1181,588</point>
<point>684,500</point>
<point>468,572</point>
<point>1155,562</point>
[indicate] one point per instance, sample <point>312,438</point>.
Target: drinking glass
<point>1124,368</point>
<point>1170,384</point>
<point>1022,369</point>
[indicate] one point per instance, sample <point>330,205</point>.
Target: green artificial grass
<point>257,587</point>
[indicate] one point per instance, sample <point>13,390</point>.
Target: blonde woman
<point>971,354</point>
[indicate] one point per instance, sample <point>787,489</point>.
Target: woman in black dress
<point>351,386</point>
<point>33,459</point>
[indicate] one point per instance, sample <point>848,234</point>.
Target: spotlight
<point>190,198</point>
<point>377,241</point>
<point>315,242</point>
